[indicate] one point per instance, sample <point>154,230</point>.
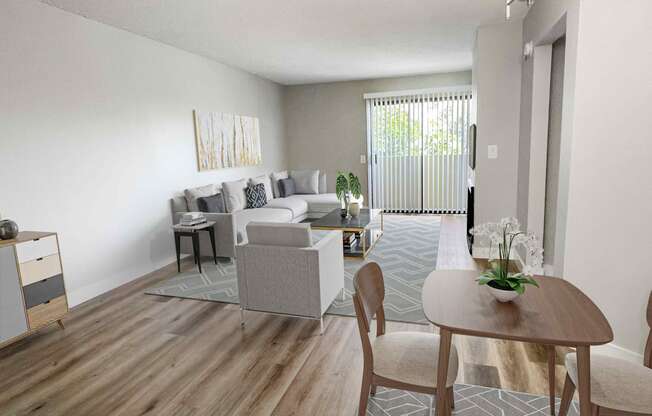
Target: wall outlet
<point>363,159</point>
<point>492,151</point>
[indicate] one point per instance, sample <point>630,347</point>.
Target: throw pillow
<point>214,203</point>
<point>256,196</point>
<point>193,193</point>
<point>277,176</point>
<point>286,187</point>
<point>265,180</point>
<point>234,195</point>
<point>305,181</point>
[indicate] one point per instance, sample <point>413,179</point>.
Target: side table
<point>193,232</point>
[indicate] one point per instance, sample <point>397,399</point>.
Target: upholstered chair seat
<point>616,384</point>
<point>411,357</point>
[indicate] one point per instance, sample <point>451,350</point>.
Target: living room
<point>105,111</point>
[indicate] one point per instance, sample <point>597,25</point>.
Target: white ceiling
<point>308,41</point>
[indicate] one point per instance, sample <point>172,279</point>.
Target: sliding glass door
<point>418,150</point>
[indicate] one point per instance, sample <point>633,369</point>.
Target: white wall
<point>603,232</point>
<point>97,134</point>
<point>497,80</point>
<point>608,235</point>
<point>327,123</point>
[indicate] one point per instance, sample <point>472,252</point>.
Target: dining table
<point>556,313</point>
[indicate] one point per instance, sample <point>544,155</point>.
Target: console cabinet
<point>32,289</point>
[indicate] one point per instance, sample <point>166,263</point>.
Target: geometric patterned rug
<point>469,401</point>
<point>407,253</point>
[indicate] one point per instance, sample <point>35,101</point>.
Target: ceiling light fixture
<point>508,3</point>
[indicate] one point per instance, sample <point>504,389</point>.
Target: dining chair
<point>617,385</point>
<point>398,360</point>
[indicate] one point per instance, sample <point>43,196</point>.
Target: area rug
<point>407,253</point>
<point>469,401</point>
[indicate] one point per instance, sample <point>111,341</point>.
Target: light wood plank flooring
<point>126,353</point>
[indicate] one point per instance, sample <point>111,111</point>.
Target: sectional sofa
<point>230,225</point>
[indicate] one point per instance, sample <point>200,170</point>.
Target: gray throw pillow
<point>286,187</point>
<point>256,197</point>
<point>193,193</point>
<point>234,195</point>
<point>277,176</point>
<point>214,203</point>
<point>306,181</point>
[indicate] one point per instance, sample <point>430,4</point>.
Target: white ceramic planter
<point>503,295</point>
<point>354,209</point>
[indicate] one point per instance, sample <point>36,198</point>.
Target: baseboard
<point>616,351</point>
<point>88,292</point>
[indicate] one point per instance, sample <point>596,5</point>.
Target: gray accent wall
<point>326,123</point>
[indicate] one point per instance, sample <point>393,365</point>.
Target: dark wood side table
<point>556,314</point>
<point>193,232</point>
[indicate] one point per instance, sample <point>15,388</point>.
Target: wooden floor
<point>126,353</point>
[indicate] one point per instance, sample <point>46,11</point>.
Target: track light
<point>508,4</point>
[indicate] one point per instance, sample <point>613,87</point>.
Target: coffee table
<point>368,226</point>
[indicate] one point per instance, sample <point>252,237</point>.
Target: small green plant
<point>507,234</point>
<point>347,185</point>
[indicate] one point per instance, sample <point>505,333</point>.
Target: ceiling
<point>309,41</point>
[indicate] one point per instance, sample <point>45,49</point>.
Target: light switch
<point>363,159</point>
<point>492,151</point>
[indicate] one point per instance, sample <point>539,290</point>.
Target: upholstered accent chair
<point>289,269</point>
<point>616,385</point>
<point>399,360</point>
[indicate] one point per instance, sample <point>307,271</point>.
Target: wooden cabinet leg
<point>60,322</point>
<point>551,377</point>
<point>584,379</point>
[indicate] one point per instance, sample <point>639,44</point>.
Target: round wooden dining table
<point>555,314</point>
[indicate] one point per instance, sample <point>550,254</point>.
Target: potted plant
<point>347,186</point>
<point>504,236</point>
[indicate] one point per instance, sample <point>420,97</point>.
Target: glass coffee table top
<point>335,221</point>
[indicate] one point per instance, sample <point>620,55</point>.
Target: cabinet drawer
<point>39,269</point>
<point>43,291</point>
<point>32,250</point>
<point>47,312</point>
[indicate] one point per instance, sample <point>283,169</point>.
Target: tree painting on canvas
<point>226,140</point>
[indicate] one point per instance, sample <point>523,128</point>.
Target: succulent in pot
<point>347,186</point>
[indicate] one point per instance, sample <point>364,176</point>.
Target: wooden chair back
<point>369,296</point>
<point>647,358</point>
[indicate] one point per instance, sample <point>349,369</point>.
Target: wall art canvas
<point>226,140</point>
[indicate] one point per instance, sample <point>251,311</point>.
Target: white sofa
<point>290,269</point>
<point>230,227</point>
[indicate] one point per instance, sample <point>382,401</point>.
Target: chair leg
<point>595,410</point>
<point>566,396</point>
<point>451,397</point>
<point>242,317</point>
<point>321,326</point>
<point>364,393</point>
<point>373,389</point>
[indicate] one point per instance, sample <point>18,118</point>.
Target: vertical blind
<point>418,150</point>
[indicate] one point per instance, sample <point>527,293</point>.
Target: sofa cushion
<point>214,203</point>
<point>267,181</point>
<point>305,181</point>
<point>321,203</point>
<point>323,183</point>
<point>192,194</point>
<point>275,234</point>
<point>234,195</point>
<point>245,216</point>
<point>294,203</point>
<point>277,176</point>
<point>286,187</point>
<point>256,197</point>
